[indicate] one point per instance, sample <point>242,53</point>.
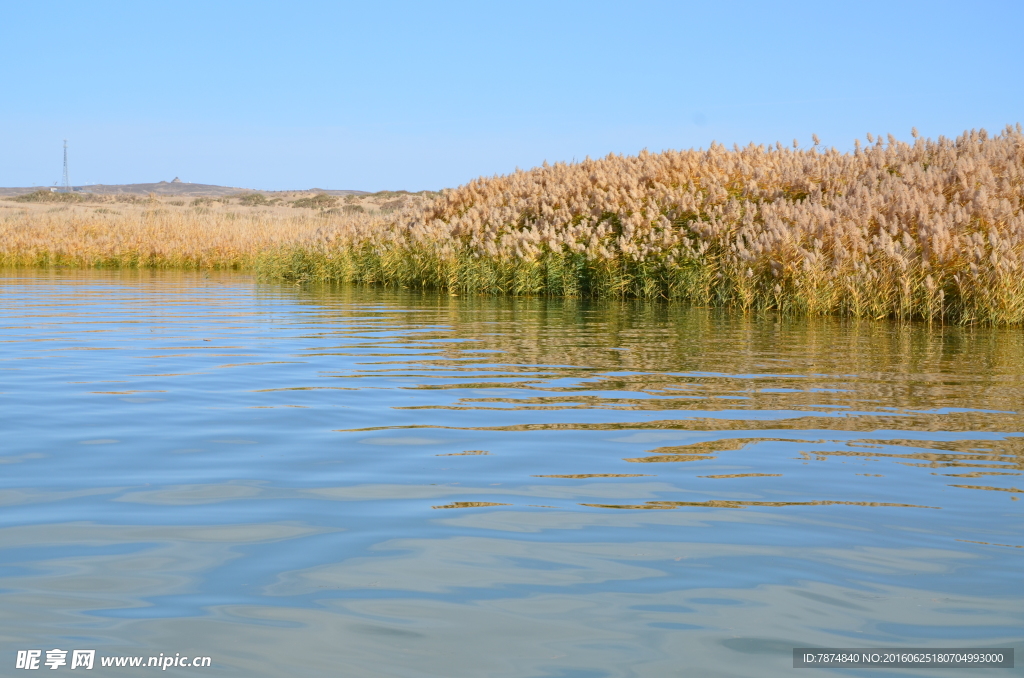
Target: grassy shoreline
<point>932,231</point>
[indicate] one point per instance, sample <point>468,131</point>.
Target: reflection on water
<point>375,483</point>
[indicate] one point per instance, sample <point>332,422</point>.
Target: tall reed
<point>929,230</point>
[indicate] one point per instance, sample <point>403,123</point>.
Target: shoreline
<point>930,231</point>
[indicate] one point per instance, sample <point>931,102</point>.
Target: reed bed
<point>930,230</point>
<point>154,238</point>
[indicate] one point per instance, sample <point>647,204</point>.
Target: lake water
<point>358,482</point>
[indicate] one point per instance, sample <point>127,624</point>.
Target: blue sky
<point>392,95</point>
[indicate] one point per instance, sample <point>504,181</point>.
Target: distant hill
<point>167,188</point>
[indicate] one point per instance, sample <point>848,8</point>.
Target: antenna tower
<point>67,182</point>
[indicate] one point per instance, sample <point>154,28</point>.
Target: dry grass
<point>932,230</point>
<point>131,231</point>
<point>127,237</point>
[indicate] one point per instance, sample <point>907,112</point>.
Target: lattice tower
<point>67,182</point>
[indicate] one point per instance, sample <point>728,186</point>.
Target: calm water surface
<point>351,482</point>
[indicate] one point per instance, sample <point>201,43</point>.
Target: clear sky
<point>391,95</point>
